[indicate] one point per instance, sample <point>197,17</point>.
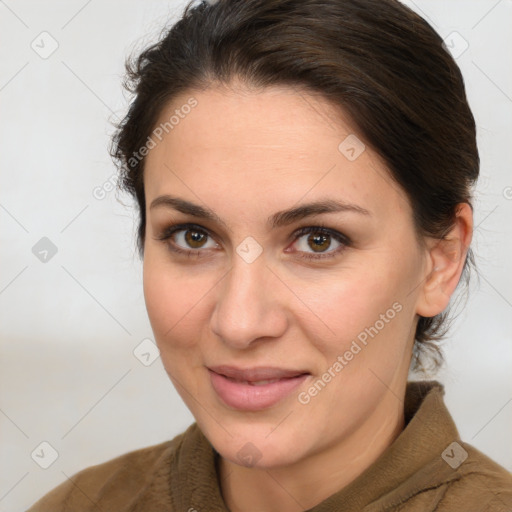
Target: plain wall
<point>69,326</point>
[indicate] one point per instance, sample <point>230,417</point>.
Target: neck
<point>301,486</point>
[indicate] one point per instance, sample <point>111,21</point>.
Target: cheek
<point>175,301</point>
<point>159,301</point>
<point>360,304</point>
<point>344,302</point>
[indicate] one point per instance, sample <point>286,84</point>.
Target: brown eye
<point>315,242</point>
<point>190,240</point>
<point>318,242</point>
<point>194,238</point>
<point>187,239</point>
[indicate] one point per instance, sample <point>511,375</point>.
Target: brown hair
<point>376,59</point>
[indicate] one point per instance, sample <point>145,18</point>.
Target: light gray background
<point>69,326</point>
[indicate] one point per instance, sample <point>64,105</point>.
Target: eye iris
<point>193,237</point>
<point>318,239</point>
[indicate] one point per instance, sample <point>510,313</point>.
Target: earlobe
<point>445,262</point>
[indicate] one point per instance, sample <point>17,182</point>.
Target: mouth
<point>254,389</point>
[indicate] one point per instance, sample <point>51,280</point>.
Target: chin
<point>253,446</point>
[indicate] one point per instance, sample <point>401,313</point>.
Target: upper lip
<point>256,373</point>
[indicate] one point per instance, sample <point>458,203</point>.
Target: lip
<point>238,387</point>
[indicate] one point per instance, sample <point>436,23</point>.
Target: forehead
<point>249,143</point>
<point>238,118</point>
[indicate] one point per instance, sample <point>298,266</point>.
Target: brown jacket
<point>427,468</point>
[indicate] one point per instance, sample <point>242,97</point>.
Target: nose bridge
<point>246,308</point>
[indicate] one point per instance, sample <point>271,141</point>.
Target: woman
<point>303,172</point>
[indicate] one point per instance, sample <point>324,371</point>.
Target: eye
<point>189,239</point>
<point>320,239</point>
<point>182,237</point>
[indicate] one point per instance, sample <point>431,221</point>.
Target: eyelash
<point>319,229</point>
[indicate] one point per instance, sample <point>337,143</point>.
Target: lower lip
<point>247,397</point>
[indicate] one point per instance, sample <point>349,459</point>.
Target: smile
<point>254,389</point>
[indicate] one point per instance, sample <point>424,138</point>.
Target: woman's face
<point>330,314</point>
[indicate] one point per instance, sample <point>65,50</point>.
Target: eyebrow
<point>279,219</point>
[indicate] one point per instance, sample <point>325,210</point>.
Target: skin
<point>247,154</point>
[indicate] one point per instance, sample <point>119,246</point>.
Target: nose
<point>250,305</point>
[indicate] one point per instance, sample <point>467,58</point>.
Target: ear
<point>445,262</point>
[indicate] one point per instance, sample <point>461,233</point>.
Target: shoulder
<point>456,475</point>
<point>118,482</point>
<point>478,480</point>
<point>463,478</point>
